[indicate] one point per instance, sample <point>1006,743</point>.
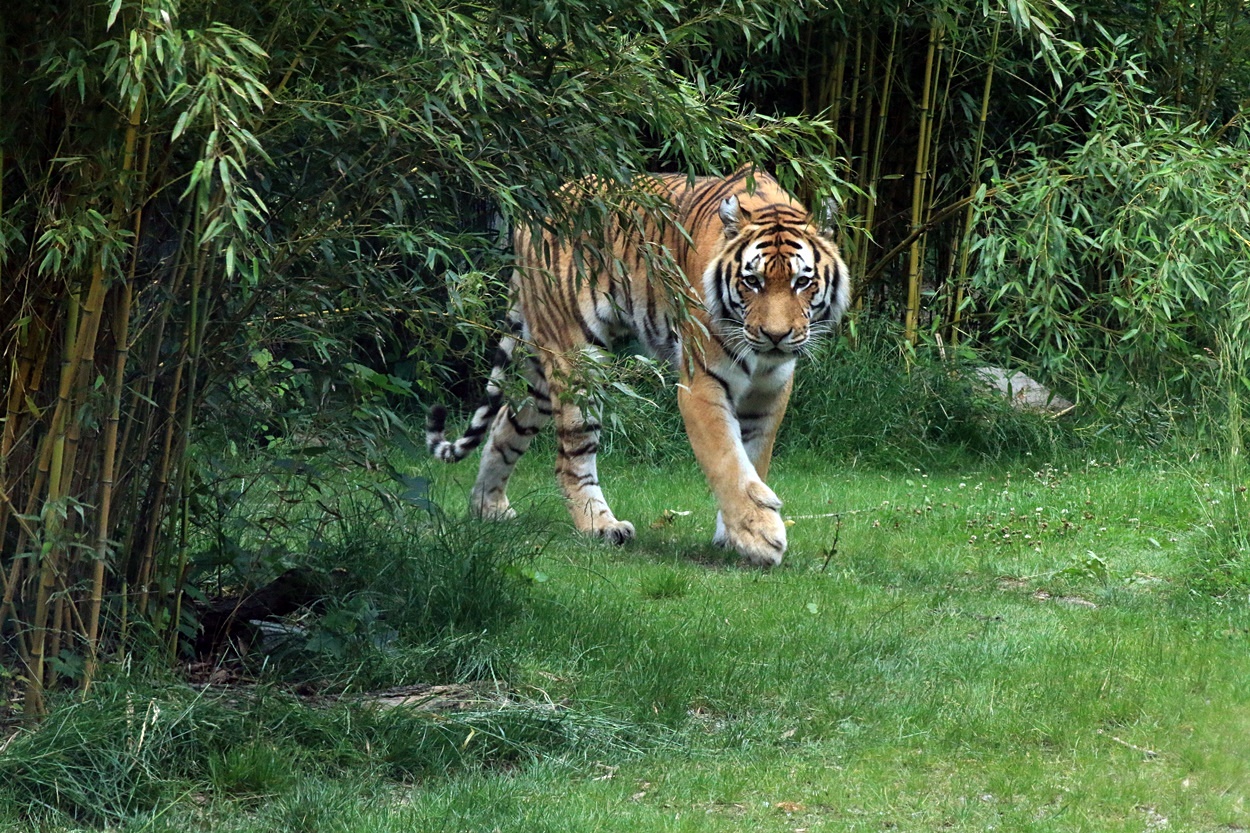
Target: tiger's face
<point>778,284</point>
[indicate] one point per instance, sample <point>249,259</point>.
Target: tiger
<point>759,282</point>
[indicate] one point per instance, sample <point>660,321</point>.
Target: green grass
<point>986,646</point>
<point>994,646</point>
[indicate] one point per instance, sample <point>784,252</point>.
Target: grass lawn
<point>984,649</point>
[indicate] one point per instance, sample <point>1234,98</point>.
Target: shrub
<point>882,402</point>
<point>1114,257</point>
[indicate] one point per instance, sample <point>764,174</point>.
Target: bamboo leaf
<point>180,125</point>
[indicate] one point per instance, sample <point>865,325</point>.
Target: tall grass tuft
<point>882,402</point>
<point>130,753</point>
<point>1221,563</point>
<point>414,599</point>
<point>114,756</point>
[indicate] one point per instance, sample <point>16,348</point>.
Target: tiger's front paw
<point>756,530</point>
<point>616,532</point>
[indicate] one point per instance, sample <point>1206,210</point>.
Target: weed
<point>256,769</point>
<point>1219,564</point>
<point>666,584</point>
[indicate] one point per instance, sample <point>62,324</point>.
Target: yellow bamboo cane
<point>878,151</point>
<point>916,255</point>
<point>962,274</point>
<point>121,339</point>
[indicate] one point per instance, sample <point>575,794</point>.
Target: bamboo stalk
<point>121,354</point>
<point>123,627</point>
<point>859,251</point>
<point>180,577</point>
<point>834,93</point>
<point>144,421</point>
<point>961,276</point>
<point>202,293</point>
<point>51,469</point>
<point>947,67</point>
<point>189,357</point>
<point>140,407</point>
<point>848,137</point>
<point>804,81</point>
<point>107,474</point>
<point>877,158</point>
<point>64,431</point>
<point>147,562</point>
<point>11,581</point>
<point>938,122</point>
<point>54,639</point>
<point>828,97</point>
<point>144,413</point>
<point>25,533</point>
<point>19,379</point>
<point>918,188</point>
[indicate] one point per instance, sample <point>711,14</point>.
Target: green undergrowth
<point>130,754</point>
<point>872,400</point>
<point>993,645</point>
<point>410,599</point>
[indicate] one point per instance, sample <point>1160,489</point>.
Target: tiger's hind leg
<point>577,447</point>
<point>510,436</point>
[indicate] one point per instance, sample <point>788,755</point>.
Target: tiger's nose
<point>775,338</point>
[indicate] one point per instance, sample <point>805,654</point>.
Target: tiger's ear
<point>731,215</point>
<point>827,222</point>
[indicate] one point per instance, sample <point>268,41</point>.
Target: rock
<point>1023,391</point>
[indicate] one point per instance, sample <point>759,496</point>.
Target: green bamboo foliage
<point>70,300</point>
<point>1138,226</point>
<point>901,78</point>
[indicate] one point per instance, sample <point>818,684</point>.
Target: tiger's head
<point>778,283</point>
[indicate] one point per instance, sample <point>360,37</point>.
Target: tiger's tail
<point>453,451</point>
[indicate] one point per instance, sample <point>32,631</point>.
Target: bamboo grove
<point>206,209</point>
<point>936,106</point>
<point>105,350</point>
